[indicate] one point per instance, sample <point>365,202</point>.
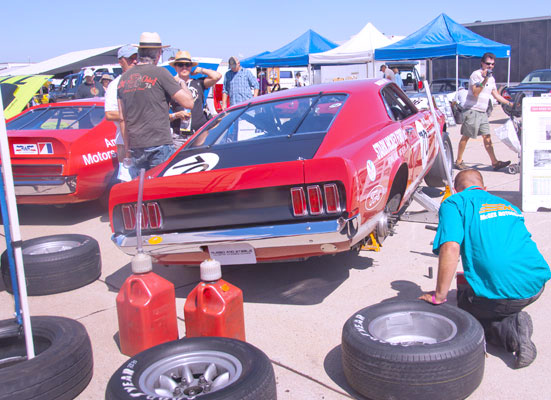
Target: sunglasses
<point>187,65</point>
<point>487,63</point>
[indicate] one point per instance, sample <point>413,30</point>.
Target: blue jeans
<point>149,157</point>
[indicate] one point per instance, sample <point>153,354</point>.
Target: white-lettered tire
<point>61,369</point>
<point>57,263</point>
<point>206,368</point>
<point>413,350</point>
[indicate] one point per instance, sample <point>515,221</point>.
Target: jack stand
<point>373,244</point>
<point>429,215</point>
<point>447,193</point>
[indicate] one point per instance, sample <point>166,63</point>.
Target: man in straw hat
<point>183,64</point>
<point>143,94</point>
<point>239,84</point>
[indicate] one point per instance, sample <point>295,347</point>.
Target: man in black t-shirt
<point>89,88</point>
<point>143,94</point>
<point>183,64</point>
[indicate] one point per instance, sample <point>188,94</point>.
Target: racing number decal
<point>424,142</point>
<point>196,163</point>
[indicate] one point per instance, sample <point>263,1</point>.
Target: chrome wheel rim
<point>52,247</point>
<point>412,328</point>
<point>190,375</point>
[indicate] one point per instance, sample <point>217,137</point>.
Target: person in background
<point>105,80</point>
<point>482,86</point>
<point>143,94</point>
<point>387,73</point>
<point>89,88</point>
<point>503,267</point>
<point>127,56</point>
<point>263,83</point>
<point>239,84</point>
<point>276,87</point>
<point>398,78</point>
<point>183,65</point>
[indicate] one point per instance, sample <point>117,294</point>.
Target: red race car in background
<point>293,174</point>
<point>62,153</point>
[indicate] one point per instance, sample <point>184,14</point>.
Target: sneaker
<point>500,164</point>
<point>460,166</point>
<point>526,352</point>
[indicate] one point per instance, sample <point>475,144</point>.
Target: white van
<point>287,76</point>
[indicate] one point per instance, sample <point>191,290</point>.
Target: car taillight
<point>315,201</point>
<point>298,199</point>
<point>37,170</point>
<point>151,216</point>
<point>326,202</point>
<point>332,203</point>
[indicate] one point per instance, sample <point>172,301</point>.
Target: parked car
<point>67,89</point>
<point>533,85</point>
<point>289,175</point>
<point>443,86</point>
<point>410,76</point>
<point>62,153</point>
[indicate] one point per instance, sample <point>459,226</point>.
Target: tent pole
<point>509,70</point>
<point>456,77</point>
<point>15,232</point>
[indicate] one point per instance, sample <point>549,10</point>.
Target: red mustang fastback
<point>62,152</point>
<point>298,173</point>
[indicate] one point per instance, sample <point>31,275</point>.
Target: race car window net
<point>54,118</point>
<point>281,118</point>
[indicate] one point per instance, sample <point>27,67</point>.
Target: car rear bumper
<point>309,238</point>
<point>45,186</point>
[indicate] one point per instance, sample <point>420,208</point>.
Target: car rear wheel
<point>61,369</point>
<point>436,177</point>
<point>57,263</point>
<point>209,368</point>
<point>413,350</point>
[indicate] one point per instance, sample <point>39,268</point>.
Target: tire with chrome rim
<point>61,369</point>
<point>57,263</point>
<point>413,350</point>
<point>205,368</point>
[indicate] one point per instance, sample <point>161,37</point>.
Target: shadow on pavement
<point>513,197</point>
<point>70,214</point>
<point>333,368</point>
<point>296,283</point>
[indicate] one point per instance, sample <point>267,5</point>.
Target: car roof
<point>95,101</point>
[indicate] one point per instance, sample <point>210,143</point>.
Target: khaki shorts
<point>475,123</point>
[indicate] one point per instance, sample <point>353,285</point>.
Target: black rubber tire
<point>436,177</point>
<point>62,367</point>
<point>58,271</point>
<point>450,369</point>
<point>257,379</point>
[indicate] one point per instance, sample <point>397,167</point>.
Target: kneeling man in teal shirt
<point>502,264</point>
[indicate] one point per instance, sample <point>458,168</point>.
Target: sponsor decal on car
<point>90,158</point>
<point>371,170</point>
<point>25,149</point>
<point>423,142</point>
<point>374,197</point>
<point>155,240</point>
<point>45,148</point>
<point>196,163</point>
<point>389,143</point>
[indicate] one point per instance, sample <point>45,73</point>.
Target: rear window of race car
<point>54,118</point>
<point>282,118</point>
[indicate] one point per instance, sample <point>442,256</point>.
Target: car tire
<point>241,370</point>
<point>61,369</point>
<point>413,350</point>
<point>57,263</point>
<point>436,177</point>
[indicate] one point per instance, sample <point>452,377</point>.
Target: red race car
<point>62,153</point>
<point>293,174</point>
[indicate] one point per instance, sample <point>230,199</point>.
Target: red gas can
<point>146,308</point>
<point>214,308</point>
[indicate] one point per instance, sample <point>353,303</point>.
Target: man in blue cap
<point>127,56</point>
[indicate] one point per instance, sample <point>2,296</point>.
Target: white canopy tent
<point>359,49</point>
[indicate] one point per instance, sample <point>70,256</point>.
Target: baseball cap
<point>232,62</point>
<point>88,72</point>
<point>127,51</point>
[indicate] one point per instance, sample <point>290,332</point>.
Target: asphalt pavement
<point>295,311</point>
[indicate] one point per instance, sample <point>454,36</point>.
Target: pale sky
<point>36,30</point>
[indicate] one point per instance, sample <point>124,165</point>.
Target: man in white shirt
<point>482,86</point>
<point>127,56</point>
<point>388,73</point>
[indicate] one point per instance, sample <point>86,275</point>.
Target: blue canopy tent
<point>443,38</point>
<point>295,53</point>
<point>250,62</point>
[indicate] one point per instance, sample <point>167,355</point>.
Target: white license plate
<point>232,254</point>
